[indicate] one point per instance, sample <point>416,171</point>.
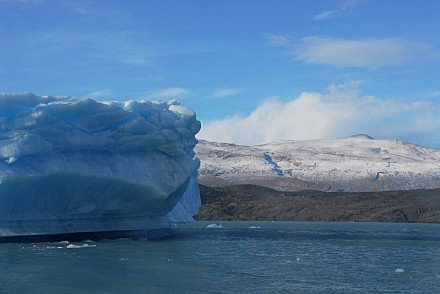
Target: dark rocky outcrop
<point>252,202</point>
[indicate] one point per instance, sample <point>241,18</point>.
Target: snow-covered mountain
<point>358,163</point>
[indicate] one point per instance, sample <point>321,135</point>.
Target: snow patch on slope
<point>357,163</point>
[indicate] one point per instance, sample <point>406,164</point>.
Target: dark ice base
<point>94,236</point>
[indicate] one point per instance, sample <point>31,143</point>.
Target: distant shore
<point>252,202</point>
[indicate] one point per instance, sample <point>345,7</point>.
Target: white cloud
<point>222,93</point>
<point>324,15</point>
<point>173,92</point>
<point>121,49</point>
<point>359,53</point>
<point>338,113</point>
<point>128,47</point>
<point>278,40</point>
<point>344,7</point>
<point>355,53</point>
<point>98,94</point>
<point>433,93</point>
<point>113,47</point>
<point>349,4</point>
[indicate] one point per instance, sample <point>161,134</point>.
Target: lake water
<point>236,257</point>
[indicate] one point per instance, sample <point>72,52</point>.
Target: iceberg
<point>74,166</point>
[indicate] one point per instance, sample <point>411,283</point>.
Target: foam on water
<point>214,226</point>
<point>73,246</point>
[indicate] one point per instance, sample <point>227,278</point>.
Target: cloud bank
<point>338,113</point>
<point>367,53</point>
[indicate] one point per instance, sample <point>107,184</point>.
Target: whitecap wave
<point>73,246</point>
<point>214,226</point>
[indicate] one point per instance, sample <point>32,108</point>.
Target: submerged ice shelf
<point>70,165</point>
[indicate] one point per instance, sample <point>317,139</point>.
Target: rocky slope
<point>355,164</point>
<point>251,202</point>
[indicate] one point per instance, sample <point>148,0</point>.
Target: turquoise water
<point>238,257</point>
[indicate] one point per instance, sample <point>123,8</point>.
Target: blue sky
<point>254,71</point>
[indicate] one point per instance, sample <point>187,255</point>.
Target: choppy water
<point>238,257</point>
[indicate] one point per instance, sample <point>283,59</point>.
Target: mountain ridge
<point>358,163</point>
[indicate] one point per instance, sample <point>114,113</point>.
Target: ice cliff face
<point>71,165</point>
<point>358,163</point>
